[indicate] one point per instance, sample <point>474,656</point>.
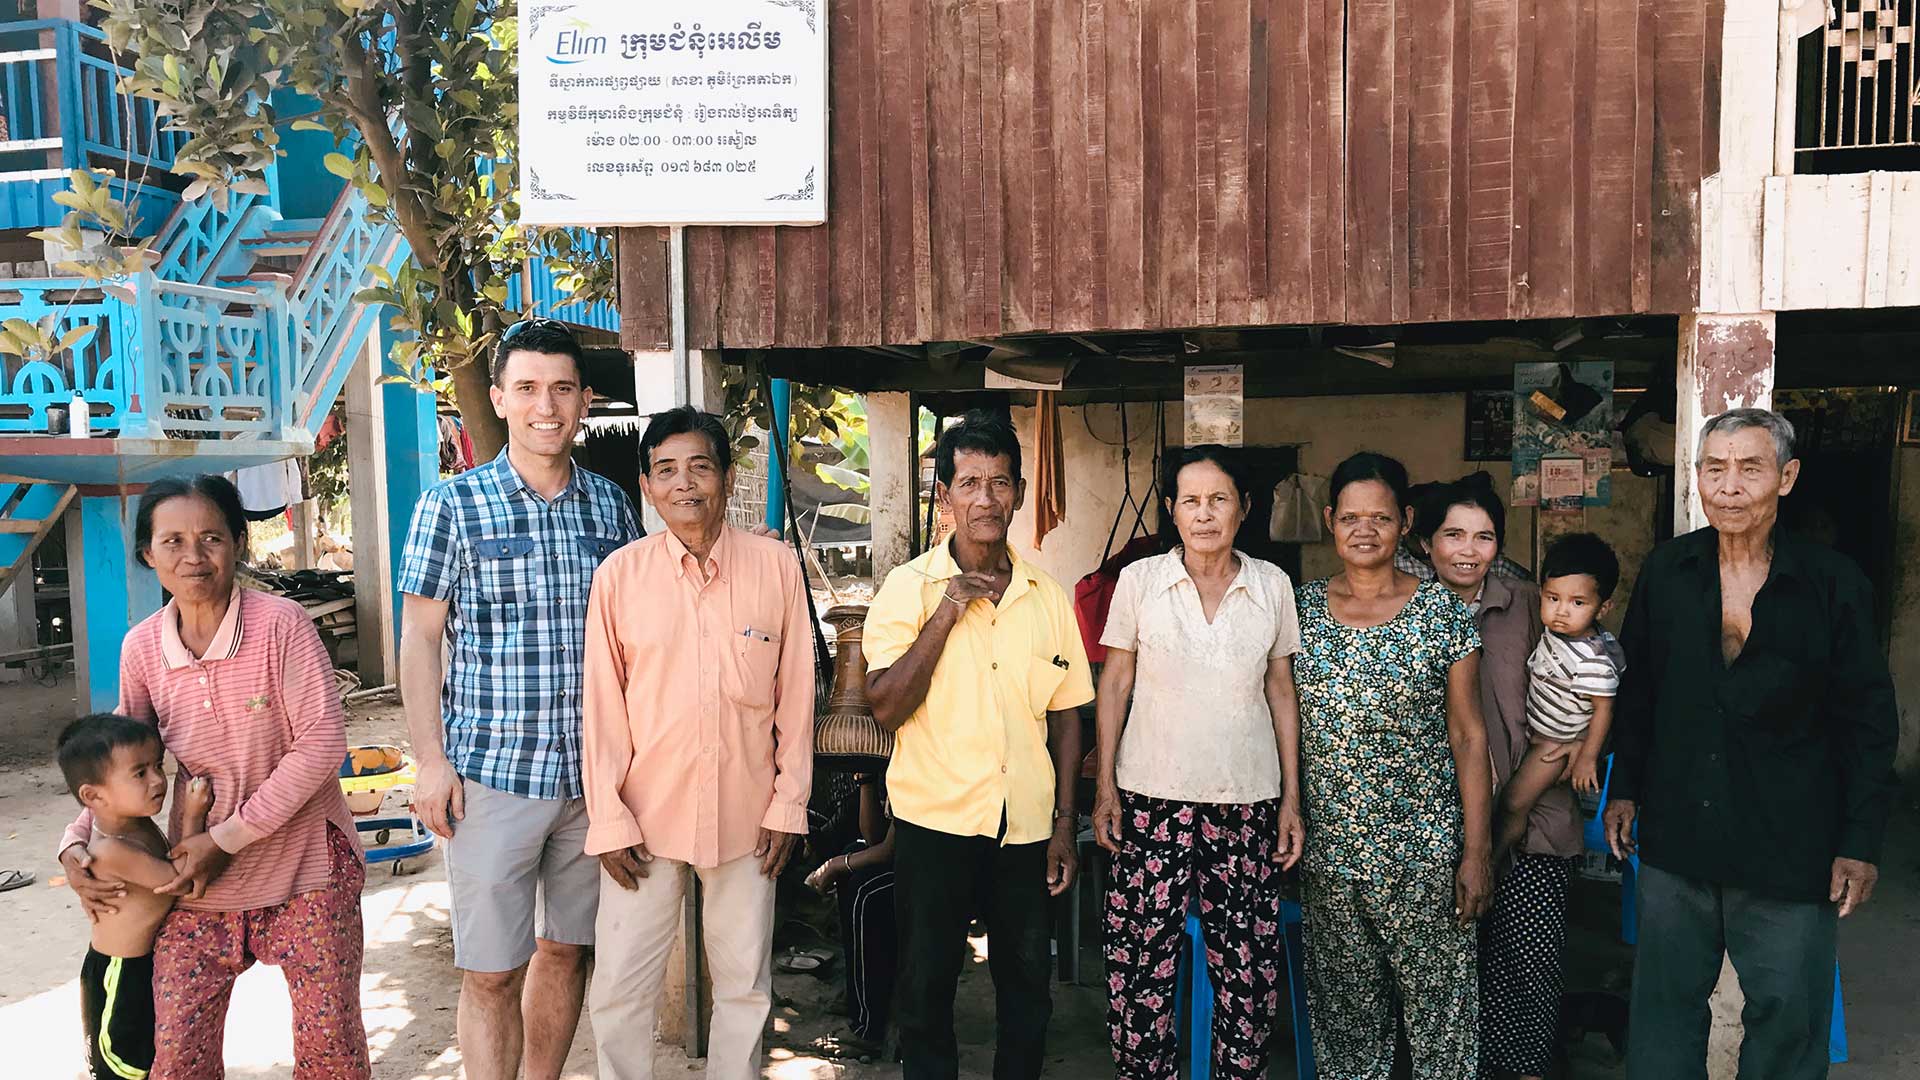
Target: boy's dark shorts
<point>116,1011</point>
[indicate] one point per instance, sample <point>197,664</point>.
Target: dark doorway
<point>1269,465</point>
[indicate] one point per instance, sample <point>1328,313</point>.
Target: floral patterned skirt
<point>1217,857</point>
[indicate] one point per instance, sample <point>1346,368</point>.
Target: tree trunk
<point>484,426</point>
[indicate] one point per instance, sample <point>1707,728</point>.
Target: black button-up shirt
<point>1760,773</point>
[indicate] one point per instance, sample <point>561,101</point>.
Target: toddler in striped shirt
<point>1573,675</point>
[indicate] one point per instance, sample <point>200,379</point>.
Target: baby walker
<point>366,775</point>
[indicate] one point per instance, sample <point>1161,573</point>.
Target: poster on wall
<point>1489,425</point>
<point>1215,404</point>
<point>1563,434</point>
<point>688,112</point>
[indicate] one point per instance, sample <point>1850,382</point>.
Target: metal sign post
<point>677,308</point>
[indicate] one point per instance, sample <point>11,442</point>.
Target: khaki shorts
<point>509,857</point>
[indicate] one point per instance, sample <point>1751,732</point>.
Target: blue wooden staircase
<point>28,513</point>
<point>229,352</point>
<point>233,349</point>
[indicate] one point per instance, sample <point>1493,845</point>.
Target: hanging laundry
<point>456,446</point>
<point>1049,469</point>
<point>267,490</point>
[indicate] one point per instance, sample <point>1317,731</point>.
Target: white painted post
<point>894,471</point>
<point>684,1017</point>
<point>1725,362</point>
<point>367,496</point>
<point>677,309</point>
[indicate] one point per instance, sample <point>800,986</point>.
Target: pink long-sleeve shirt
<point>260,717</point>
<point>699,699</point>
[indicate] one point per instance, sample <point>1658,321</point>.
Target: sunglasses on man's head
<point>524,325</point>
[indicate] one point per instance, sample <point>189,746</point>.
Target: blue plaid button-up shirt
<point>515,569</point>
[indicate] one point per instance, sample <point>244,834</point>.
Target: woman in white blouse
<point>1197,795</point>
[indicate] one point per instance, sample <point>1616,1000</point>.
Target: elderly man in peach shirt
<point>698,750</point>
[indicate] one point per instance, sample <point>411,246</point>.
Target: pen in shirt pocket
<point>756,635</point>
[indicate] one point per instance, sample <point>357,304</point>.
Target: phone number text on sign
<point>695,112</point>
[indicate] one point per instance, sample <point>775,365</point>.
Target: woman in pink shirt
<point>242,691</point>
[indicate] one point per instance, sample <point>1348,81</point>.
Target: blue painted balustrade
<point>62,111</point>
<point>201,239</point>
<point>190,359</point>
<point>328,326</point>
<point>98,367</point>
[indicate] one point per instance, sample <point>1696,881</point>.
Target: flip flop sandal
<point>803,962</point>
<point>15,879</point>
<point>847,1048</point>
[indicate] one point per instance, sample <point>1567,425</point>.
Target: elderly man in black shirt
<point>1754,742</point>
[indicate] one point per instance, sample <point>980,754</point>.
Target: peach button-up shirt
<point>699,698</point>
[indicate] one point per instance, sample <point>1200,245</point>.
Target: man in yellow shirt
<point>975,662</point>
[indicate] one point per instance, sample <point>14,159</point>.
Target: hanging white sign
<point>1215,404</point>
<point>692,112</point>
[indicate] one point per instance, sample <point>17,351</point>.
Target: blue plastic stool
<point>1195,995</point>
<point>1596,840</point>
<point>1837,1034</point>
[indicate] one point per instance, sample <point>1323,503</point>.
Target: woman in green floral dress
<point>1397,787</point>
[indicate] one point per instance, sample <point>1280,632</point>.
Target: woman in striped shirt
<point>241,688</point>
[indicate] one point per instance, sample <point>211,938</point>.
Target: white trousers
<point>632,937</point>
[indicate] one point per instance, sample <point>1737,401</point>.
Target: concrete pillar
<point>893,467</point>
<point>19,628</point>
<point>1725,362</point>
<point>373,612</point>
<point>707,381</point>
<point>304,554</point>
<point>411,444</point>
<point>109,589</point>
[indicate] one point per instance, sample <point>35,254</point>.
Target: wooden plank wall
<point>1028,166</point>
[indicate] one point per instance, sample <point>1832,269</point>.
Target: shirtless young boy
<point>113,765</point>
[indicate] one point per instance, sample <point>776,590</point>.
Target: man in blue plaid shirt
<point>496,572</point>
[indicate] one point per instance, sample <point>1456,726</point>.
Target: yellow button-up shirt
<point>977,746</point>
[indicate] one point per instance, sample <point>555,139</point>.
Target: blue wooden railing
<point>327,324</point>
<point>94,122</point>
<point>188,358</point>
<point>196,237</point>
<point>208,361</point>
<point>98,367</point>
<point>181,355</point>
<point>63,111</point>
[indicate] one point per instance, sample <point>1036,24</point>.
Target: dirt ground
<point>409,986</point>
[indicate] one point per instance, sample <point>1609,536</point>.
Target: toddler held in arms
<point>113,765</point>
<point>1573,676</point>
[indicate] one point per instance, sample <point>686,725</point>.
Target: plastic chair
<point>1837,1034</point>
<point>1596,840</point>
<point>1195,995</point>
<point>1068,926</point>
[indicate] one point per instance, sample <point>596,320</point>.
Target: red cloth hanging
<point>332,429</point>
<point>1093,594</point>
